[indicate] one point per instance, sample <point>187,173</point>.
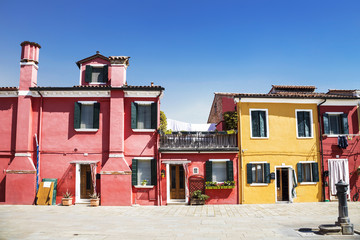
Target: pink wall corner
<point>93,61</point>
<point>116,190</point>
<point>20,189</point>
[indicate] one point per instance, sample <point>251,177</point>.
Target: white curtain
<point>93,175</point>
<point>338,170</point>
<point>186,171</point>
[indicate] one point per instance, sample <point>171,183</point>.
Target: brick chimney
<point>119,65</point>
<point>29,65</point>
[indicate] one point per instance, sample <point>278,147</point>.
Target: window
<point>258,122</point>
<point>96,74</point>
<point>218,170</point>
<point>144,115</point>
<point>86,115</point>
<point>196,170</point>
<point>304,123</point>
<point>335,123</point>
<point>307,172</point>
<point>144,169</point>
<point>258,173</point>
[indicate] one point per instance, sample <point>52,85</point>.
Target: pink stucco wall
<point>93,61</point>
<point>217,196</point>
<point>352,152</point>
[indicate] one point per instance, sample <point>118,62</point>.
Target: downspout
<point>39,138</point>
<point>321,149</point>
<point>158,166</point>
<point>240,167</point>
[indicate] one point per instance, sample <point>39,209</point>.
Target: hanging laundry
<point>342,142</point>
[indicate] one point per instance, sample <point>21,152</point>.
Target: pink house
<point>98,136</point>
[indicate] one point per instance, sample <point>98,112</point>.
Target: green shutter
<point>154,115</point>
<point>133,115</point>
<point>105,73</point>
<point>255,124</point>
<point>326,123</point>
<point>249,173</point>
<point>153,172</point>
<point>96,115</point>
<point>267,172</point>
<point>88,72</point>
<point>315,171</point>
<point>299,172</point>
<point>77,115</point>
<point>301,125</point>
<point>344,123</point>
<point>208,171</point>
<point>134,172</point>
<point>230,170</point>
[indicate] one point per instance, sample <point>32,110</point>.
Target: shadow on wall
<point>67,181</point>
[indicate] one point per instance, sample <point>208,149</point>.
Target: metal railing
<point>198,141</point>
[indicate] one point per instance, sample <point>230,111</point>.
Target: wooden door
<point>177,182</point>
<point>282,184</point>
<point>86,186</point>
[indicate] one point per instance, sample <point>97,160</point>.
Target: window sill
<point>219,187</point>
<point>86,129</point>
<point>146,186</point>
<point>258,184</point>
<point>144,130</point>
<point>259,137</point>
<point>308,183</point>
<point>305,137</point>
<point>97,83</point>
<point>334,135</point>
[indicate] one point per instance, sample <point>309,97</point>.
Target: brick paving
<point>258,221</point>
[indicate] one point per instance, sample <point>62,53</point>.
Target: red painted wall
<point>352,152</point>
<point>217,196</point>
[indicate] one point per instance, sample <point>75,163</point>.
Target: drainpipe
<point>158,166</point>
<point>240,171</point>
<point>321,149</point>
<point>38,139</point>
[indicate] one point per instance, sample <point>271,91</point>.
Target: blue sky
<point>192,48</point>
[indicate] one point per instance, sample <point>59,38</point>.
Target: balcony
<point>198,141</point>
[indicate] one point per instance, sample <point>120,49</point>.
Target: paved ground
<point>261,221</point>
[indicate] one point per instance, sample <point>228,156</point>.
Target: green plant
<point>231,120</point>
<point>144,182</point>
<point>67,194</point>
<point>198,195</point>
<point>163,122</point>
<point>211,184</point>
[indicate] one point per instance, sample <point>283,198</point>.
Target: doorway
<point>282,184</point>
<point>86,186</point>
<point>177,182</point>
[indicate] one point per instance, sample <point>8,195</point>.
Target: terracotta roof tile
<point>295,95</point>
<point>8,88</point>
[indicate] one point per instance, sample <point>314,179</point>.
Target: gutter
<point>321,148</point>
<point>240,167</point>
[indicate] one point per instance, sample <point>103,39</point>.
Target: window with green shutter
<point>335,123</point>
<point>307,172</point>
<point>258,173</point>
<point>144,169</point>
<point>86,115</point>
<point>144,115</point>
<point>96,74</point>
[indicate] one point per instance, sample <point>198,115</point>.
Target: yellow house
<point>279,146</point>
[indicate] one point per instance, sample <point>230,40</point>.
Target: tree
<point>231,120</point>
<point>163,122</point>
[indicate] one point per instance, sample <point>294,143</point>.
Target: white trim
<point>204,152</point>
<point>258,162</point>
<point>341,102</point>
<point>77,182</point>
<point>175,162</point>
<point>267,123</point>
<point>8,93</point>
<point>29,63</point>
<point>289,179</point>
<point>219,160</point>
<point>144,130</point>
<point>86,129</point>
<point>144,94</point>
<point>80,74</point>
<point>259,184</point>
<point>311,123</point>
<point>22,154</point>
<point>334,113</point>
<point>329,102</point>
<point>24,93</point>
<point>112,155</point>
<point>144,102</point>
<point>144,158</point>
<point>87,102</point>
<point>307,161</point>
<point>118,64</point>
<point>92,94</point>
<point>97,65</point>
<point>84,162</point>
<point>97,83</point>
<point>308,183</point>
<point>146,186</point>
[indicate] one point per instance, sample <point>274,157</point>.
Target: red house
<point>99,136</point>
<point>340,143</point>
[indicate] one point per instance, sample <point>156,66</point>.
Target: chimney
<point>29,65</point>
<point>119,65</point>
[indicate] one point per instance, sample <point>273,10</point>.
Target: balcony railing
<point>198,141</point>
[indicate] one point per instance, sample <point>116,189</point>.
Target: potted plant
<point>198,198</point>
<point>67,199</point>
<point>144,182</point>
<point>94,199</point>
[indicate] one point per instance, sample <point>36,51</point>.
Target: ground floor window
<point>144,169</point>
<point>218,170</point>
<point>308,172</point>
<point>258,173</point>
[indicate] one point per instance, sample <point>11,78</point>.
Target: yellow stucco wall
<point>282,147</point>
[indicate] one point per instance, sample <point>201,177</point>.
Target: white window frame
<point>311,123</point>
<point>87,129</point>
<point>220,161</point>
<point>144,159</point>
<point>144,129</point>
<point>308,183</point>
<point>333,113</point>
<point>97,66</point>
<point>195,170</point>
<point>267,122</point>
<point>259,184</point>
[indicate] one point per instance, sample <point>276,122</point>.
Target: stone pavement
<point>258,221</point>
